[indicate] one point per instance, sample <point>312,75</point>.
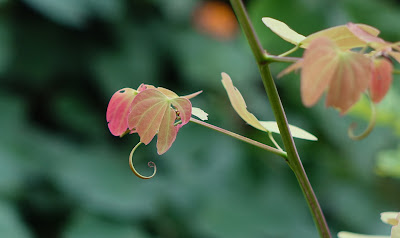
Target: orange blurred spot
<point>216,19</point>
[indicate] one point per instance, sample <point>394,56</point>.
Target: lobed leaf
<point>372,40</point>
<point>184,107</point>
<point>319,64</point>
<point>239,104</point>
<point>148,110</point>
<point>297,132</point>
<point>153,113</point>
<point>283,30</point>
<point>341,35</point>
<point>118,110</point>
<point>167,132</point>
<point>344,74</point>
<point>352,77</point>
<point>381,79</point>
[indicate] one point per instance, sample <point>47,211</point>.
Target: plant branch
<point>279,113</point>
<point>242,138</point>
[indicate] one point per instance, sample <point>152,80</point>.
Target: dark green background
<point>62,174</point>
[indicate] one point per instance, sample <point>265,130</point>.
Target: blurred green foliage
<point>62,174</point>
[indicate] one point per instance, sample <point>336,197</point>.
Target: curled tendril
<point>150,164</point>
<point>369,128</point>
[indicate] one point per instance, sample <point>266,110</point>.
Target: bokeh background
<point>62,174</point>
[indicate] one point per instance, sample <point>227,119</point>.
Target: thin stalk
<point>280,116</point>
<point>290,51</point>
<point>242,138</point>
<point>283,59</point>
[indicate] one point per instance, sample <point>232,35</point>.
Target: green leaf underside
<point>283,30</point>
<point>202,115</point>
<point>297,132</point>
<point>239,104</point>
<point>345,74</point>
<point>152,113</point>
<point>345,234</point>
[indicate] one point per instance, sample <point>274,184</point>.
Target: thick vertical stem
<point>279,113</point>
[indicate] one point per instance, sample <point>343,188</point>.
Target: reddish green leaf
<point>319,64</point>
<point>118,110</point>
<point>367,37</point>
<point>148,109</point>
<point>352,77</point>
<point>239,104</point>
<point>167,92</point>
<point>154,112</point>
<point>184,107</point>
<point>381,79</point>
<point>167,133</point>
<point>342,36</point>
<point>345,74</point>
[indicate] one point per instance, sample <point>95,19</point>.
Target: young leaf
<point>148,110</point>
<point>381,79</point>
<point>374,41</point>
<point>319,64</point>
<point>167,132</point>
<point>297,132</point>
<point>341,35</point>
<point>153,112</point>
<point>352,77</point>
<point>239,104</point>
<point>345,74</point>
<point>283,30</point>
<point>118,110</point>
<point>202,115</point>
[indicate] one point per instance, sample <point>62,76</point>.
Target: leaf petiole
<point>242,138</point>
<point>289,51</point>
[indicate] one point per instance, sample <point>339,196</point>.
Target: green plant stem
<point>396,71</point>
<point>242,138</point>
<point>290,51</point>
<point>283,59</point>
<point>270,88</point>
